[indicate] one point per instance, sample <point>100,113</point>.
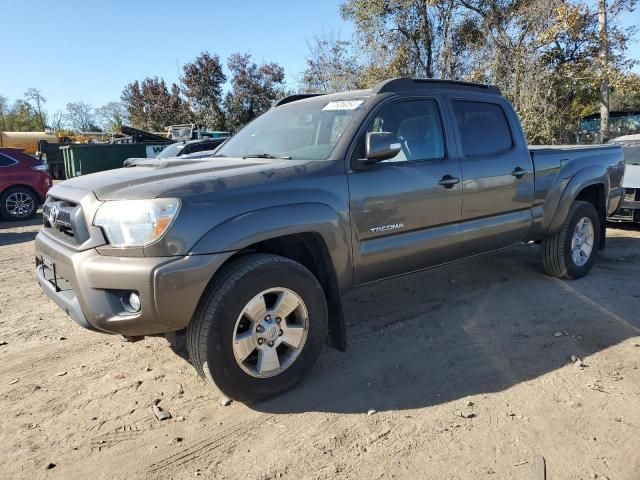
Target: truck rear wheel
<point>571,252</point>
<point>259,328</point>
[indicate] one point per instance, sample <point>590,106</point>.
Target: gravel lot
<point>462,372</point>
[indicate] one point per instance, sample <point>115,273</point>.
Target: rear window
<point>6,161</point>
<point>483,128</point>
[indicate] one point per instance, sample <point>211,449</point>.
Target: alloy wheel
<point>19,204</point>
<point>270,332</point>
<point>582,241</point>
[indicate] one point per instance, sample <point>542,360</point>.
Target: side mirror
<point>381,146</point>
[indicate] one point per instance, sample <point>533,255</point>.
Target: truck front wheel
<point>259,328</point>
<point>571,252</point>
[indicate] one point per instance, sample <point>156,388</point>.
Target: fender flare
<point>242,231</point>
<point>586,177</point>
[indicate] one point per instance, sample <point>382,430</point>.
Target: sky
<point>88,51</point>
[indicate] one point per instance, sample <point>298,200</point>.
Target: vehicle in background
<point>190,131</point>
<point>183,149</point>
<point>24,182</point>
<point>251,248</point>
<point>43,146</point>
<point>629,210</point>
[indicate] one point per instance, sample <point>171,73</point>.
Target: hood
<point>152,178</point>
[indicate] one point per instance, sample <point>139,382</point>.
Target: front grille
<point>65,220</point>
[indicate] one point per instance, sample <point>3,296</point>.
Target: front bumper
<point>89,286</point>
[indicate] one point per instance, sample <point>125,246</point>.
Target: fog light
<point>134,301</point>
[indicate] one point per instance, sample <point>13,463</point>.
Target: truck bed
<point>545,155</point>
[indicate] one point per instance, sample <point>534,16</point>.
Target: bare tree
<point>604,67</point>
<point>56,121</point>
<point>111,116</point>
<point>80,117</point>
<point>34,97</point>
<point>331,66</point>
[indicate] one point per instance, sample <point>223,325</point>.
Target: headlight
<point>135,223</point>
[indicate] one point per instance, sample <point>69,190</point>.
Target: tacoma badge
<point>386,228</point>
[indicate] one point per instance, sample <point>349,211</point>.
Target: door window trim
<point>15,162</point>
<point>459,133</point>
<point>362,130</point>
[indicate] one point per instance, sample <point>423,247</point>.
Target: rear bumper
<point>90,287</point>
<point>629,209</point>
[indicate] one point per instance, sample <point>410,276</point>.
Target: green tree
<point>414,38</point>
<point>543,54</point>
<point>4,111</point>
<point>22,118</point>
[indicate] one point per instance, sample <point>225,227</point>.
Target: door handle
<point>519,172</point>
<point>448,181</point>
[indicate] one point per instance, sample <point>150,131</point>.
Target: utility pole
<point>604,70</point>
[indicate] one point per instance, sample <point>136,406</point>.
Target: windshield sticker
<point>342,105</point>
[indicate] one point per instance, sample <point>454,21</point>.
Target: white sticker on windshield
<point>343,105</point>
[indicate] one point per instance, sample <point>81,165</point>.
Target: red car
<point>24,182</point>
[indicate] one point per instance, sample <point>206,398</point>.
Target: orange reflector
<point>161,225</point>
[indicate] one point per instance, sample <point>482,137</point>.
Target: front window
<point>306,130</point>
<point>172,150</point>
<point>417,125</point>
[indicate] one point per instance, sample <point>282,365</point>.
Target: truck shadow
<point>13,237</point>
<point>473,328</point>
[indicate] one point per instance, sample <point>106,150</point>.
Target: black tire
<point>556,250</point>
<point>23,192</point>
<point>211,331</point>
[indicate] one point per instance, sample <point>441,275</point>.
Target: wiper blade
<point>267,155</point>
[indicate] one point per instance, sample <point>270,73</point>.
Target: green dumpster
<point>82,159</point>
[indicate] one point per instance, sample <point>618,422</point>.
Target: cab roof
<point>396,85</point>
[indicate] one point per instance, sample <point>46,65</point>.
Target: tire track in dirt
<point>43,362</point>
<point>227,440</point>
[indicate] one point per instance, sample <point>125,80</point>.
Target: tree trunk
<point>604,80</point>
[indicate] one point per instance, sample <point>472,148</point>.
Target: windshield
<point>306,130</point>
<point>172,150</point>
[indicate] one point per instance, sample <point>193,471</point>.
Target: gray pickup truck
<point>251,249</point>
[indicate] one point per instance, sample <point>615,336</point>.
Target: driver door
<point>406,211</point>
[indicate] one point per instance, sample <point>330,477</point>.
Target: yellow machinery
<point>27,141</point>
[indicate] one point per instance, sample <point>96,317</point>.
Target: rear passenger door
<point>497,171</point>
<point>405,211</point>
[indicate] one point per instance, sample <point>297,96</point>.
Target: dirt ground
<point>467,368</point>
